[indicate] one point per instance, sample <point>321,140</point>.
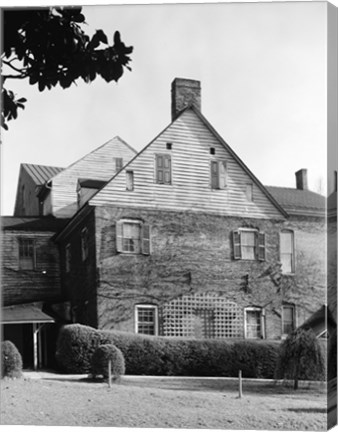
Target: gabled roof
<point>299,202</point>
<point>31,223</point>
<point>114,140</point>
<point>227,147</point>
<point>41,173</point>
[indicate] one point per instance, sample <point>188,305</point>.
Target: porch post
<point>35,346</point>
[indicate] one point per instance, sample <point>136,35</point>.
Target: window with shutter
<point>214,175</point>
<point>163,169</point>
<point>218,174</point>
<point>133,237</point>
<point>248,244</point>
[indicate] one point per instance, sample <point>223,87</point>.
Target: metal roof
<point>24,314</point>
<point>41,173</point>
<point>299,202</point>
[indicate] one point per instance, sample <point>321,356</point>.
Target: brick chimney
<point>301,179</point>
<point>184,92</point>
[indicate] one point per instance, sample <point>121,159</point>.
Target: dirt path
<point>132,404</point>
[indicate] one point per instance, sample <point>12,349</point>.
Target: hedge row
<point>149,355</point>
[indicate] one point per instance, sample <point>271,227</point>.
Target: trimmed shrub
<point>11,360</point>
<point>75,346</point>
<point>300,357</point>
<point>100,360</point>
<point>256,359</point>
<point>149,355</point>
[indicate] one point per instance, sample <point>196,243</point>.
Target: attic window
<point>218,174</point>
<point>212,150</point>
<point>118,164</point>
<point>169,146</point>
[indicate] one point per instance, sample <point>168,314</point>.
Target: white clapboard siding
<point>98,165</point>
<point>191,181</point>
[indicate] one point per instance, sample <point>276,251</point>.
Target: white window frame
<point>136,320</point>
<point>293,258</point>
<point>144,241</point>
<point>262,323</point>
<point>259,247</point>
<point>84,243</point>
<point>293,315</point>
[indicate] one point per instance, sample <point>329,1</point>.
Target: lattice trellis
<point>203,315</point>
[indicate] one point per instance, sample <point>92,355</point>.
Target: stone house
<point>182,239</point>
<point>185,241</point>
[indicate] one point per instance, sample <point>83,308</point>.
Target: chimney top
<point>301,179</point>
<point>184,92</point>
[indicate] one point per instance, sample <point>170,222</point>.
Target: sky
<point>262,68</point>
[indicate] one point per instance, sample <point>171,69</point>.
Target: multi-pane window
<point>26,254</point>
<point>248,244</point>
<point>146,319</point>
<point>218,173</point>
<point>288,319</point>
<point>132,236</point>
<point>287,251</point>
<point>84,244</point>
<point>163,169</point>
<point>68,257</point>
<point>118,164</point>
<point>129,180</point>
<point>253,323</point>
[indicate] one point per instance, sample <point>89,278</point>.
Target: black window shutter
<point>146,239</point>
<point>236,242</point>
<point>261,246</point>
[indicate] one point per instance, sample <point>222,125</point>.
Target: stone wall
<point>192,253</point>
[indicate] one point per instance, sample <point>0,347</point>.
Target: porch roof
<point>24,314</point>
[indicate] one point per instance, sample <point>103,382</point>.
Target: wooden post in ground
<point>109,373</point>
<point>240,384</point>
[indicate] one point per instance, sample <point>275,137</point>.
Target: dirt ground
<point>161,403</point>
